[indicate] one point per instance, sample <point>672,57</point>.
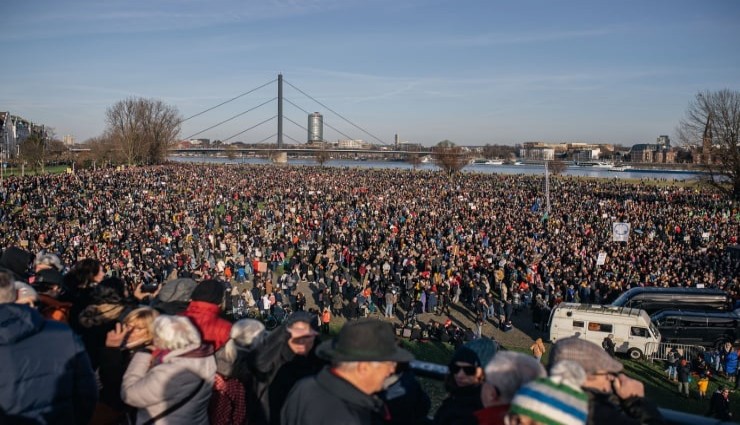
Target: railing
<point>672,417</point>
<point>660,350</point>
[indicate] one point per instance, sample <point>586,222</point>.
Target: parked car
<point>653,299</point>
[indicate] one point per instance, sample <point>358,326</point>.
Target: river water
<point>529,169</point>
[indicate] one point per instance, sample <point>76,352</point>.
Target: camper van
<point>652,299</point>
<point>633,331</point>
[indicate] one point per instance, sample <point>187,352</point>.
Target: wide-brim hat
<point>364,340</point>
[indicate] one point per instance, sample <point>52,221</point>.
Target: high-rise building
<point>315,128</point>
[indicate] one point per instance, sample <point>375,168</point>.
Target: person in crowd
<point>538,349</point>
<point>557,399</point>
<point>206,306</point>
<point>684,377</point>
<point>672,361</point>
<point>325,320</point>
<point>15,261</point>
<point>401,391</point>
<point>134,333</point>
<point>608,345</point>
<point>232,401</point>
<point>282,358</point>
<point>47,261</point>
<point>504,375</point>
<point>613,397</point>
<point>730,364</point>
<point>79,283</point>
<point>171,383</point>
<point>49,283</point>
<point>464,381</point>
<point>108,306</point>
<point>174,295</point>
<point>719,405</point>
<point>46,377</point>
<point>362,357</point>
<point>702,385</point>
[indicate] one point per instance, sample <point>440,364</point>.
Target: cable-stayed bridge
<point>275,142</point>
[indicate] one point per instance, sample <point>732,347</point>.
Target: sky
<point>469,71</point>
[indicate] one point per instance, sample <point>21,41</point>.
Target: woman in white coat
<point>171,383</point>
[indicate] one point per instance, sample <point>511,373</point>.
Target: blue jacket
<point>731,362</point>
<point>45,377</point>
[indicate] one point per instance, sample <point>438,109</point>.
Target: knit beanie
<point>477,352</point>
<point>209,291</point>
<point>551,401</point>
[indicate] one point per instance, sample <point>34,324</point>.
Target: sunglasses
<point>468,370</point>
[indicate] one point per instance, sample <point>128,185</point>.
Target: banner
<point>620,232</point>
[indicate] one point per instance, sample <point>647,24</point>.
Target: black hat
<point>209,291</point>
<point>17,261</point>
<point>367,340</point>
<point>49,277</point>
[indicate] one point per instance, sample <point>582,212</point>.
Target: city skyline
<point>473,72</point>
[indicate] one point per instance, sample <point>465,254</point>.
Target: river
<point>530,169</point>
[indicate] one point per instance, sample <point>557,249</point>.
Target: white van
<point>633,331</point>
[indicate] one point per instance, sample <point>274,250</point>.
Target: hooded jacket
<point>152,389</point>
<point>46,376</point>
<point>212,327</point>
<point>327,399</point>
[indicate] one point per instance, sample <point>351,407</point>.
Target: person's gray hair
<point>175,332</point>
<point>244,333</point>
<point>508,371</point>
<point>8,292</point>
<point>48,259</point>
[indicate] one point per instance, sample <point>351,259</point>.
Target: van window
<point>641,332</point>
<point>577,324</point>
<point>599,327</point>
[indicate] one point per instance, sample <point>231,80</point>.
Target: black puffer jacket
<point>45,376</point>
<point>607,408</point>
<point>326,399</point>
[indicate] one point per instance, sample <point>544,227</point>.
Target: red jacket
<point>213,329</point>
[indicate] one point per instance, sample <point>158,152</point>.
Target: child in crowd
<point>703,384</point>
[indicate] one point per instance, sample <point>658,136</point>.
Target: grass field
<point>657,386</point>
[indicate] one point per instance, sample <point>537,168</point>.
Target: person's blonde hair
<point>144,317</point>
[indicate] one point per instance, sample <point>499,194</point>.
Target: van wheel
<point>634,353</point>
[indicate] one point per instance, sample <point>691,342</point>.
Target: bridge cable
<point>337,114</point>
<point>250,128</point>
<point>266,138</point>
<point>325,123</point>
<point>231,118</point>
<point>230,100</point>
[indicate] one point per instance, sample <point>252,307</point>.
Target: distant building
<point>660,152</point>
<point>13,131</point>
<point>68,140</point>
<point>352,144</point>
<point>315,128</point>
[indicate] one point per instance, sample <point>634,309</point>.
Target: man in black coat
<point>46,377</point>
<point>362,356</point>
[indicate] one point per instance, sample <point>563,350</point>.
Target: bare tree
<point>33,151</point>
<point>450,157</point>
<point>712,122</point>
<point>498,151</point>
<point>557,167</point>
<point>143,129</point>
<point>321,156</point>
<point>414,159</point>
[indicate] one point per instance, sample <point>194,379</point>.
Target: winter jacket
<point>45,376</point>
<point>459,405</point>
<point>731,362</point>
<point>213,329</point>
<point>153,389</point>
<point>327,399</point>
<point>607,409</point>
<point>277,369</point>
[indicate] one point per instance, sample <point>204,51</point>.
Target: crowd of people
<point>122,256</point>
